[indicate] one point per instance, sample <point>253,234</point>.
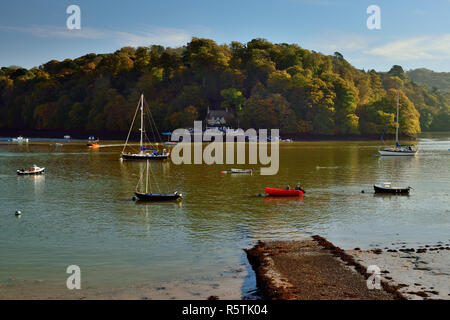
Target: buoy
<point>362,191</point>
<point>18,213</point>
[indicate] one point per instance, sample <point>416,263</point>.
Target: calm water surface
<point>80,212</point>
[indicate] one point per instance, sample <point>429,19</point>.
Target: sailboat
<point>143,153</point>
<point>399,149</point>
<point>145,195</point>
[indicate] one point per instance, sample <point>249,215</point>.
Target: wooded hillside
<point>265,85</point>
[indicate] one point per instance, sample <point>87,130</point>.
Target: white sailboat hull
<point>397,153</point>
<point>398,150</point>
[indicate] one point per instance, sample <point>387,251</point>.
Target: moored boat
<point>33,170</point>
<point>398,149</point>
<point>146,156</point>
<point>277,192</point>
<point>147,195</point>
<point>143,154</point>
<point>387,188</point>
<point>95,144</point>
<point>20,139</point>
<point>157,197</point>
<point>233,170</point>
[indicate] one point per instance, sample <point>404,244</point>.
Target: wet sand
<point>232,284</point>
<point>312,269</point>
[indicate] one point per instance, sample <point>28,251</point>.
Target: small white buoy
<point>18,213</point>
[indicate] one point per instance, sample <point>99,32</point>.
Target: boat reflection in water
<point>272,199</point>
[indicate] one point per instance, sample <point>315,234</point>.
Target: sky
<point>413,33</point>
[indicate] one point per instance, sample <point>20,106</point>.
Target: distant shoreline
<point>85,134</point>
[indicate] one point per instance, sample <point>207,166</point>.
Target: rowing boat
<point>283,192</point>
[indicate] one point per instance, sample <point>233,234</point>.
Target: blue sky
<point>413,33</point>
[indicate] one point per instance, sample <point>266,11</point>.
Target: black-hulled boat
<point>147,195</point>
<point>387,188</point>
<point>146,156</point>
<point>144,152</point>
<point>157,197</point>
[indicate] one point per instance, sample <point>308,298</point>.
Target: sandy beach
<point>232,284</point>
<point>419,274</point>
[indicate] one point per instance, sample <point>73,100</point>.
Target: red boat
<point>283,192</point>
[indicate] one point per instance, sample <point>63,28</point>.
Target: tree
<point>397,71</point>
<point>233,99</point>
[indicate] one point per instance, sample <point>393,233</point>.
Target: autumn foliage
<point>265,85</point>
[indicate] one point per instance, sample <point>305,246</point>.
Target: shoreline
<point>315,269</point>
<point>106,136</point>
<point>233,283</point>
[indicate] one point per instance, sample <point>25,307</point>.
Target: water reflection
<point>271,199</point>
<point>83,207</point>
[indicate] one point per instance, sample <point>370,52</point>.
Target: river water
<point>81,213</point>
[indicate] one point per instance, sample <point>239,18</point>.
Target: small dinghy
<point>94,145</point>
<point>276,192</point>
<point>157,197</point>
<point>33,170</point>
<point>387,188</point>
<point>241,170</point>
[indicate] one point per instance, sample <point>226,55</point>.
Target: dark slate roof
<point>219,114</point>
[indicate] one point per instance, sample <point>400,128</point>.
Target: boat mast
<point>142,122</point>
<point>146,180</point>
<point>396,129</point>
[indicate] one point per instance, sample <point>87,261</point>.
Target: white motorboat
<point>32,171</point>
<point>20,139</point>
